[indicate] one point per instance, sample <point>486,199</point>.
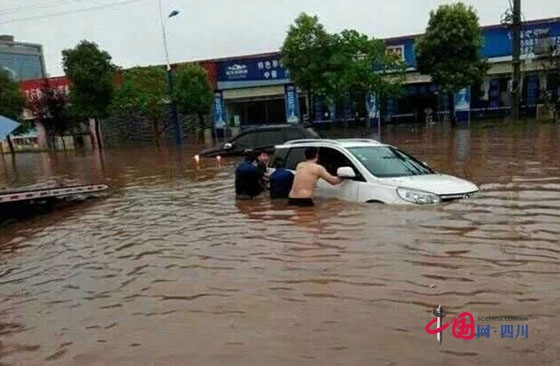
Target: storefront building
<point>256,89</point>
<point>23,61</point>
<point>253,90</point>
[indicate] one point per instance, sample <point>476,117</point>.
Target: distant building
<point>255,89</point>
<point>24,61</point>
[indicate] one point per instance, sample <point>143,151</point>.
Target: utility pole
<point>173,107</point>
<point>516,39</point>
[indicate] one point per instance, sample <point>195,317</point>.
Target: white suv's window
<point>333,159</point>
<point>385,161</point>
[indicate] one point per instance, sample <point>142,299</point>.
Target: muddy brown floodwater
<point>169,269</point>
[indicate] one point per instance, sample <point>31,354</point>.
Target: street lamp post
<point>172,105</point>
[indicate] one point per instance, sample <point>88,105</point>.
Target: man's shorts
<point>302,202</point>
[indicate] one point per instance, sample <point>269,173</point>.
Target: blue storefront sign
<point>219,111</point>
<point>372,110</point>
<point>497,41</point>
<point>463,104</point>
<point>252,71</point>
<point>292,104</point>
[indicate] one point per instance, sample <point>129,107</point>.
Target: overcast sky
<point>129,29</point>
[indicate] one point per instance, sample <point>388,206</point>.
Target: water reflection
<point>170,267</point>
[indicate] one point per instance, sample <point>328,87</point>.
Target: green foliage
<point>50,108</point>
<point>91,74</point>
<point>359,66</point>
<point>339,65</point>
<point>450,49</point>
<point>143,95</point>
<point>12,100</point>
<point>192,93</point>
<point>305,53</point>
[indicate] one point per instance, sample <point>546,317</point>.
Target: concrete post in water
<point>439,335</point>
<point>516,39</point>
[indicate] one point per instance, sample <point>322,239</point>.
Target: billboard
<point>32,88</point>
<point>219,110</point>
<point>292,103</point>
<point>497,40</point>
<point>463,105</point>
<point>252,71</point>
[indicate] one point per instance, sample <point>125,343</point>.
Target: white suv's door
<point>333,159</point>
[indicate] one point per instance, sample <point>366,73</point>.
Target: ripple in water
<point>170,267</point>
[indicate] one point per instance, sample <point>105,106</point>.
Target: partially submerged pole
<point>516,39</point>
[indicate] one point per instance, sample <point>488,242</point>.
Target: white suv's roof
<point>329,142</point>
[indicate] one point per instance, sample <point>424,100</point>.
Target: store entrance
<point>256,112</point>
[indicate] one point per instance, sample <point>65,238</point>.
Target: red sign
<point>32,88</point>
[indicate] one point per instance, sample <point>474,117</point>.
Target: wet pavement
<point>169,269</point>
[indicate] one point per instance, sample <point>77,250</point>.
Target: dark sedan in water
<point>260,138</point>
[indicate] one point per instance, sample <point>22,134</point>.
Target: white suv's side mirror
<point>228,146</point>
<point>345,172</point>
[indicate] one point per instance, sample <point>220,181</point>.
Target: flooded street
<point>169,269</point>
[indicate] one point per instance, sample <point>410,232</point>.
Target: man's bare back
<point>307,175</point>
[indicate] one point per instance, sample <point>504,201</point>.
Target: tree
<point>305,52</point>
<point>359,66</point>
<point>193,93</point>
<point>12,100</point>
<point>90,72</point>
<point>50,108</point>
<point>450,49</point>
<point>338,66</point>
<point>143,95</point>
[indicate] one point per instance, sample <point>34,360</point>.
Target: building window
<point>396,50</point>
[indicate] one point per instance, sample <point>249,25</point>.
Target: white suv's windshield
<point>385,161</point>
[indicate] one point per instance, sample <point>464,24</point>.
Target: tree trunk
<point>51,140</point>
<point>310,109</point>
<point>156,132</point>
<point>97,133</point>
<point>10,144</point>
<point>201,121</point>
<point>63,143</point>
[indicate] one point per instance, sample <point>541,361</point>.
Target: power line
<point>29,3</point>
<point>45,5</point>
<point>38,5</point>
<point>70,12</point>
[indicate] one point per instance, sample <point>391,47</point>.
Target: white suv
<point>375,172</point>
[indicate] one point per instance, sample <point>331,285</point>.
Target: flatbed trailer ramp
<point>41,194</point>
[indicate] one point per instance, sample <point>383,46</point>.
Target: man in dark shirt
<point>248,178</point>
<point>281,180</point>
<point>262,159</point>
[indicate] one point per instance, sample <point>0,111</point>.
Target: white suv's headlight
<point>419,197</point>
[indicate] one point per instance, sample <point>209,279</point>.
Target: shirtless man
<point>307,174</point>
